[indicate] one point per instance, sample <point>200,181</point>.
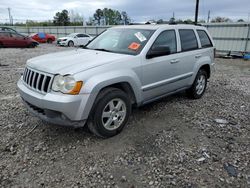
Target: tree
<point>62,18</point>
<point>221,19</point>
<point>240,20</point>
<point>111,17</point>
<point>98,15</point>
<point>125,18</point>
<point>172,20</point>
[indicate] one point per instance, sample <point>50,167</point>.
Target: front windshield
<point>71,35</point>
<point>125,41</point>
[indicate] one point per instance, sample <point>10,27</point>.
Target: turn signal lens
<point>77,88</point>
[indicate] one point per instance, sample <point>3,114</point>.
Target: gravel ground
<point>174,142</point>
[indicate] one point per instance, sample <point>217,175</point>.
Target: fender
<point>96,83</point>
<point>205,60</point>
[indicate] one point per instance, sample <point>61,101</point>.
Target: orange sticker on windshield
<point>134,46</point>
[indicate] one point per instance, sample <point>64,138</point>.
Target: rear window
<point>188,40</point>
<point>205,40</point>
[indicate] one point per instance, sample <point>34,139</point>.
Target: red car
<point>11,39</point>
<point>43,37</point>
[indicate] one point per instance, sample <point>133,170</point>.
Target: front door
<point>159,73</point>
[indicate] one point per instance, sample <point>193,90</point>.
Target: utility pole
<point>208,16</point>
<point>196,12</point>
<point>10,17</point>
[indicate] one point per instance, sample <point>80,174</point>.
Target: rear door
<point>189,55</point>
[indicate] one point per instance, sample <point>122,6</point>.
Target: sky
<point>138,10</point>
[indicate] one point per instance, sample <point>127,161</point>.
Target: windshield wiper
<point>102,49</point>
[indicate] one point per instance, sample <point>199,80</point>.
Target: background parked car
<point>7,29</point>
<point>74,39</point>
<point>12,39</point>
<point>43,37</point>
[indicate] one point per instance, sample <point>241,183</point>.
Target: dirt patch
<point>174,142</point>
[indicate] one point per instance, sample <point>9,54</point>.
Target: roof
<point>160,26</point>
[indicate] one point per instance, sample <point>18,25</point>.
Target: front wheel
<point>199,86</point>
<point>110,113</point>
<point>71,44</point>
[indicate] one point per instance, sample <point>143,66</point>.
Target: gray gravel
<point>175,142</point>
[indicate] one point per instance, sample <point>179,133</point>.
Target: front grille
<point>38,81</point>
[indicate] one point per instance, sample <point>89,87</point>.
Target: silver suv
<point>124,66</point>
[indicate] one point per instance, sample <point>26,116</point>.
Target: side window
<point>188,40</point>
<point>204,38</point>
<point>167,39</point>
<point>80,35</point>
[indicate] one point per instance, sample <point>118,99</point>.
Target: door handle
<point>198,56</point>
<point>174,61</point>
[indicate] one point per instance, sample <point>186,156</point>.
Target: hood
<point>62,38</point>
<point>73,61</point>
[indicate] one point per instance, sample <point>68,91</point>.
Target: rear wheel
<point>70,43</point>
<point>199,86</point>
<point>110,113</point>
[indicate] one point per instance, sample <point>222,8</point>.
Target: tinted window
<point>17,35</point>
<point>168,39</point>
<point>82,35</point>
<point>205,41</point>
<point>188,40</point>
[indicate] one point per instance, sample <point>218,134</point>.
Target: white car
<point>74,39</point>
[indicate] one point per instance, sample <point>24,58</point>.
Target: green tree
<point>125,18</point>
<point>62,18</point>
<point>98,15</point>
<point>240,20</point>
<point>111,17</point>
<point>221,19</point>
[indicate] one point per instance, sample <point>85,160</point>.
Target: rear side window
<point>188,40</point>
<point>205,40</point>
<point>167,39</point>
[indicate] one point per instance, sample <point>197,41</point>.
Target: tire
<point>32,45</point>
<point>107,120</point>
<point>199,86</point>
<point>49,41</point>
<point>71,43</point>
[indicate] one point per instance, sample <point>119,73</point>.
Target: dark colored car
<point>43,37</point>
<point>12,39</point>
<point>7,29</point>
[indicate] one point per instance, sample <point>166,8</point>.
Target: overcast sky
<point>138,10</point>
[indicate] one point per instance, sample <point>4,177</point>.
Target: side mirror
<point>158,51</point>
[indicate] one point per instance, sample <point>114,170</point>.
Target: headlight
<point>66,84</point>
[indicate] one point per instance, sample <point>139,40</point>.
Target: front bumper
<point>62,43</point>
<point>55,108</point>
